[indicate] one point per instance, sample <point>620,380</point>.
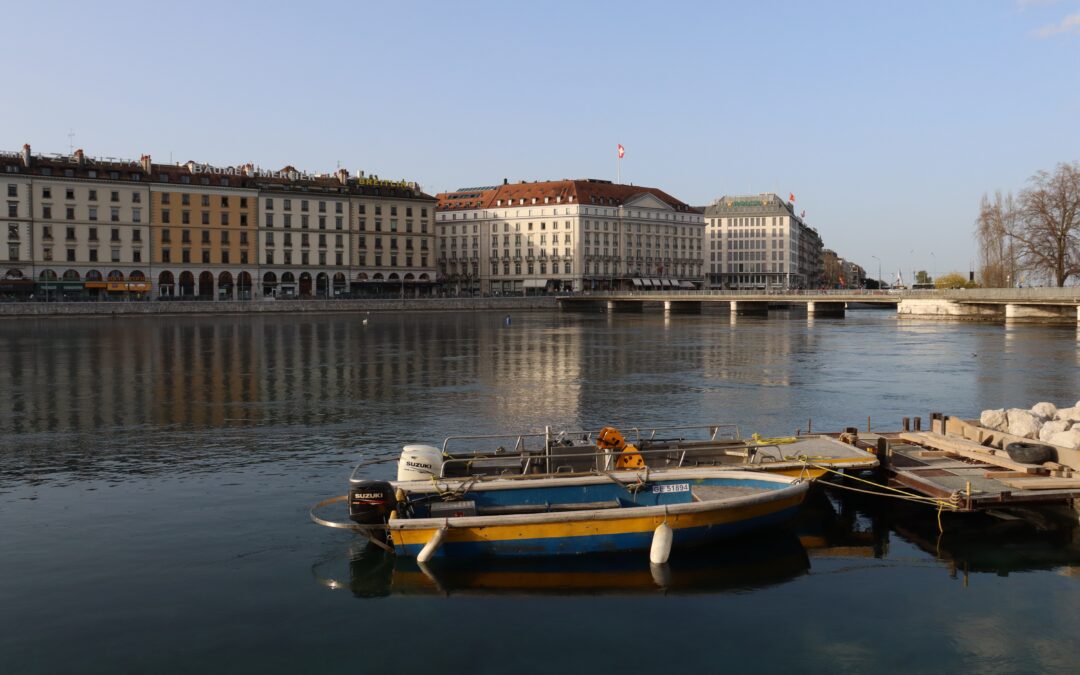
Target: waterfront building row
<point>79,226</point>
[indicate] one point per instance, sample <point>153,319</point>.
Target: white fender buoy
<point>661,544</point>
<point>433,545</point>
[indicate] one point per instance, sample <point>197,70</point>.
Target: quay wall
<point>150,308</point>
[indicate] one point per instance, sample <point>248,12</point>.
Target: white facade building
<point>567,235</point>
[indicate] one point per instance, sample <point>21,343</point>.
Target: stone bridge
<point>991,304</point>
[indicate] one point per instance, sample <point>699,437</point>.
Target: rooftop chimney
<point>343,176</point>
<point>26,155</point>
<point>506,181</point>
<point>80,158</point>
<point>145,161</point>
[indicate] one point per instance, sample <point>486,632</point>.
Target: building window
<point>205,201</point>
<point>164,197</point>
<point>243,257</point>
<point>114,234</point>
<point>165,216</point>
<point>205,217</point>
<point>93,255</point>
<point>116,255</point>
<point>71,234</point>
<point>114,196</point>
<point>93,195</point>
<point>185,199</point>
<point>136,256</point>
<point>93,234</point>
<point>136,198</point>
<point>136,215</point>
<point>224,257</point>
<point>185,256</point>
<point>206,257</point>
<point>46,212</point>
<point>13,252</point>
<point>114,214</point>
<point>71,255</point>
<point>13,209</point>
<point>69,193</point>
<point>224,218</point>
<point>93,213</point>
<point>206,236</point>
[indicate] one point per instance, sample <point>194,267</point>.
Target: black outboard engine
<point>371,501</point>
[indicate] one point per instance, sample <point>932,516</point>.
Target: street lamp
<point>878,270</point>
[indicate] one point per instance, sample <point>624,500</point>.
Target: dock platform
<point>966,465</point>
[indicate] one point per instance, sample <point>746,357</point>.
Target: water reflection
<point>741,565</point>
<point>214,392</point>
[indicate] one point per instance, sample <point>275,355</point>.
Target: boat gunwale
<point>795,487</point>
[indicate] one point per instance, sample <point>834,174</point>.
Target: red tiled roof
<point>583,191</point>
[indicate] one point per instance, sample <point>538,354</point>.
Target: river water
<point>155,475</point>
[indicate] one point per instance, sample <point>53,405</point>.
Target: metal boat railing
<point>540,452</point>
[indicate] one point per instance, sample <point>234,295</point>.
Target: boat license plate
<point>671,487</point>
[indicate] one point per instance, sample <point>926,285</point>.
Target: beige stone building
<point>88,224</point>
<point>551,236</point>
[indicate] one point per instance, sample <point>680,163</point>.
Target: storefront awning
<point>637,282</point>
<point>686,284</point>
<point>535,283</point>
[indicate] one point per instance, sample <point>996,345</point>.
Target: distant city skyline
<point>887,123</point>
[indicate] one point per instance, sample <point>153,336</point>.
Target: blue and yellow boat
<point>551,515</point>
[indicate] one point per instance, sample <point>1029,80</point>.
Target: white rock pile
<point>1044,421</point>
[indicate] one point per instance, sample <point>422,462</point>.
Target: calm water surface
<point>155,476</point>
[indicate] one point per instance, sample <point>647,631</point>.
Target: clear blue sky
<point>887,120</point>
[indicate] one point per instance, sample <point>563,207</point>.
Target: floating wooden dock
<point>961,463</point>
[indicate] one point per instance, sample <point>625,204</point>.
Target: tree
<point>1047,227</point>
<point>953,280</point>
<point>922,277</point>
<point>997,252</point>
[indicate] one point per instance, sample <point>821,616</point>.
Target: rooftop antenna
<point>71,142</point>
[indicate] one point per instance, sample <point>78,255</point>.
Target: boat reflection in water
<point>829,526</point>
<point>737,564</point>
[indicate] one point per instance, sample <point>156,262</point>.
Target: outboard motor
<point>419,462</point>
<point>371,502</point>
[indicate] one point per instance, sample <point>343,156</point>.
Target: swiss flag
<point>791,196</point>
<point>622,151</point>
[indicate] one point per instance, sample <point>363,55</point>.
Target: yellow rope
<point>900,494</point>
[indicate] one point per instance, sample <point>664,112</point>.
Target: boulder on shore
<point>1044,410</point>
<point>994,419</point>
<point>1069,414</point>
<point>1066,439</point>
<point>1053,427</point>
<point>1023,424</point>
